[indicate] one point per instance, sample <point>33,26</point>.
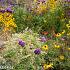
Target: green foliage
<point>50,21</point>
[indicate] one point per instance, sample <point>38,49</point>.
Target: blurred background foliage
<point>26,16</point>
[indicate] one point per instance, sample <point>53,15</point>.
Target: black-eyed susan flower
<point>47,66</point>
<point>63,32</point>
<point>57,46</point>
<point>68,26</point>
<point>61,57</point>
<point>58,35</point>
<point>45,47</point>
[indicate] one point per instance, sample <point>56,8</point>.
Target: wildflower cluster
<point>38,51</point>
<point>42,6</point>
<point>7,20</point>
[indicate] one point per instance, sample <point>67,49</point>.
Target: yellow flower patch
<point>7,20</point>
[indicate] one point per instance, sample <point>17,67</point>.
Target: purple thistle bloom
<point>43,39</point>
<point>9,10</point>
<point>37,51</point>
<point>22,43</point>
<point>2,11</point>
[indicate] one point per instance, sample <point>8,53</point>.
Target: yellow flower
<point>68,26</point>
<point>45,47</point>
<point>35,0</point>
<point>61,57</point>
<point>52,4</point>
<point>41,8</point>
<point>69,21</point>
<point>68,49</point>
<point>63,31</point>
<point>58,35</point>
<point>68,34</point>
<point>57,46</point>
<point>5,29</point>
<point>47,66</point>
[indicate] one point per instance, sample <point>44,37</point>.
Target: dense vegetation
<point>35,35</point>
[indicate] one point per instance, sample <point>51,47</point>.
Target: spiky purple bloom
<point>37,51</point>
<point>43,39</point>
<point>9,10</point>
<point>21,43</point>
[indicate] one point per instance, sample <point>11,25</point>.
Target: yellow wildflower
<point>57,46</point>
<point>68,26</point>
<point>7,20</point>
<point>41,8</point>
<point>45,47</point>
<point>47,66</point>
<point>35,0</point>
<point>68,49</point>
<point>69,21</point>
<point>58,35</point>
<point>63,31</point>
<point>68,34</point>
<point>52,4</point>
<point>5,29</point>
<point>61,57</point>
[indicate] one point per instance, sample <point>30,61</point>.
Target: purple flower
<point>9,10</point>
<point>43,39</point>
<point>10,1</point>
<point>37,51</point>
<point>67,0</point>
<point>62,39</point>
<point>41,0</point>
<point>3,11</point>
<point>22,43</point>
<point>2,2</point>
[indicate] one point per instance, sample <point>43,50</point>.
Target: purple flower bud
<point>9,10</point>
<point>43,39</point>
<point>37,51</point>
<point>22,43</point>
